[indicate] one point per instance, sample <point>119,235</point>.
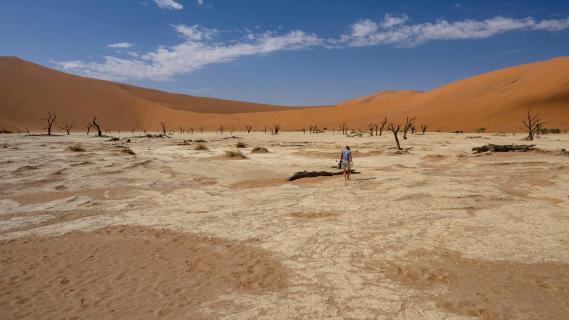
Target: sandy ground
<point>176,233</point>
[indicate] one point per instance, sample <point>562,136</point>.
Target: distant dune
<point>496,101</point>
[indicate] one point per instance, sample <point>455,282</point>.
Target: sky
<point>293,52</point>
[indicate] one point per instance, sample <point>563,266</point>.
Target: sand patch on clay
<point>487,289</point>
<point>128,272</point>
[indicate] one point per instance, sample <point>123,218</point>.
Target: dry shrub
<point>235,154</point>
<point>76,148</point>
<point>201,146</point>
<point>240,145</point>
<point>259,150</point>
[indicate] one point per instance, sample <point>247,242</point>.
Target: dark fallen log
<point>312,174</point>
<point>504,148</point>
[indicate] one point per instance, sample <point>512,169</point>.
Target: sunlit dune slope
<point>496,101</point>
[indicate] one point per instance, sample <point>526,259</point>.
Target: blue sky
<point>303,52</point>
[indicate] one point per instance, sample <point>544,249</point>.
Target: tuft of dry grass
<point>76,148</point>
<point>235,154</point>
<point>240,145</point>
<point>201,146</point>
<point>259,150</point>
<point>127,151</point>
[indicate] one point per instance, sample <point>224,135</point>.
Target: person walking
<point>346,162</point>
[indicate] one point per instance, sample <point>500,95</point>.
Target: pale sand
<point>436,233</point>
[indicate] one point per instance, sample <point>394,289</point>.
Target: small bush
<point>76,148</point>
<point>240,145</point>
<point>259,150</point>
<point>551,130</point>
<point>201,146</point>
<point>234,154</point>
<point>127,151</point>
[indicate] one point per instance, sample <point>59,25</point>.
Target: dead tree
<point>423,128</point>
<point>304,130</point>
<point>248,128</point>
<point>221,129</point>
<point>395,129</point>
<point>181,130</point>
<point>276,128</point>
<point>265,129</point>
<point>413,129</point>
<point>50,121</point>
<point>89,126</point>
<point>344,128</point>
<point>28,131</point>
<point>97,126</point>
<point>409,123</point>
<point>164,130</point>
<point>371,127</point>
<point>533,124</point>
<point>382,126</point>
<point>67,128</point>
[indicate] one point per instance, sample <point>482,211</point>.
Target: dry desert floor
<point>171,232</point>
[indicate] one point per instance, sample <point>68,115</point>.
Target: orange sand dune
<point>496,101</point>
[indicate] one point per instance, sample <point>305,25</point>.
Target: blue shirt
<point>346,154</point>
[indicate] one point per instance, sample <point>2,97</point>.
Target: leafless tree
<point>67,128</point>
<point>201,129</point>
<point>372,126</point>
<point>409,123</point>
<point>395,129</point>
<point>344,128</point>
<point>97,126</point>
<point>89,126</point>
<point>533,124</point>
<point>265,129</point>
<point>50,121</point>
<point>413,129</point>
<point>221,129</point>
<point>248,128</point>
<point>382,125</point>
<point>423,128</point>
<point>164,129</point>
<point>28,131</point>
<point>276,128</point>
<point>304,130</point>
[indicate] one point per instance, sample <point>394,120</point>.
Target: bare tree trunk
<point>409,123</point>
<point>50,121</point>
<point>96,125</point>
<point>423,128</point>
<point>533,124</point>
<point>395,129</point>
<point>382,126</point>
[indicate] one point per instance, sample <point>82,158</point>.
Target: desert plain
<point>170,232</point>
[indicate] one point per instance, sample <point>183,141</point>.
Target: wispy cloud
<point>121,45</point>
<point>169,4</point>
<point>201,2</point>
<point>200,46</point>
<point>197,50</point>
<point>394,30</point>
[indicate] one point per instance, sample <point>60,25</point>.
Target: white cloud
<point>201,2</point>
<point>195,32</point>
<point>395,31</point>
<point>199,46</point>
<point>169,4</point>
<point>392,21</point>
<point>121,45</point>
<point>197,50</point>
